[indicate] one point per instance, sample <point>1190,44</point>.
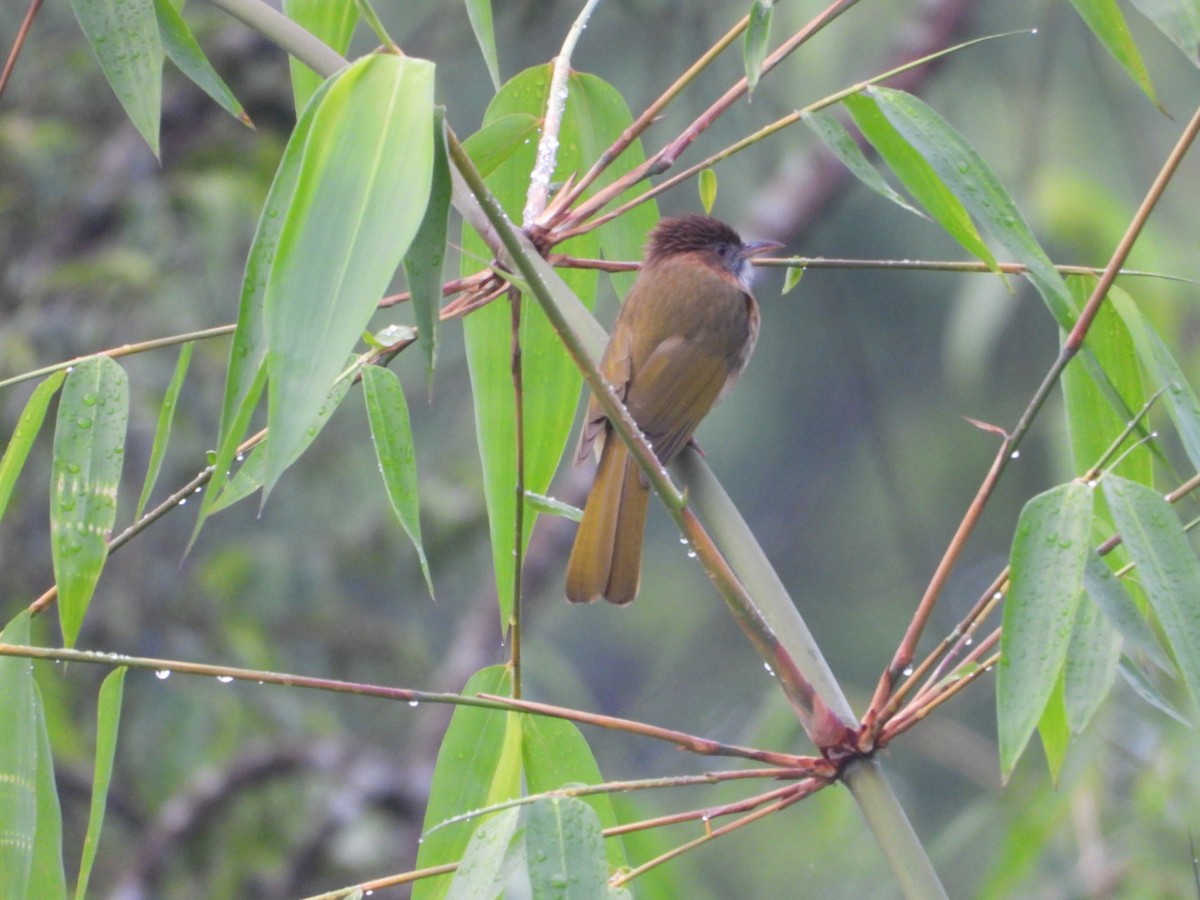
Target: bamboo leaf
<point>359,199</point>
<point>182,49</point>
<point>556,755</point>
<point>24,434</point>
<point>1179,20</point>
<point>108,719</point>
<point>465,778</point>
<point>500,138</point>
<point>19,741</point>
<point>1048,556</point>
<point>424,260</point>
<point>47,879</point>
<point>491,858</point>
<point>707,186</point>
<point>565,850</point>
<point>333,21</point>
<point>1053,731</point>
<point>387,413</point>
<point>1167,568</point>
<point>89,447</point>
<point>756,40</point>
<point>975,185</point>
<point>1109,594</point>
<point>837,139</point>
<point>480,14</point>
<point>1106,21</point>
<point>1091,666</point>
<point>162,432</point>
<point>124,36</point>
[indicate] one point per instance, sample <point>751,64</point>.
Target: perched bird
<point>681,339</point>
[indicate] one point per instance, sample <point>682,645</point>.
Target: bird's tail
<point>606,560</point>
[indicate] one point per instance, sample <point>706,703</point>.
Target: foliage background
<point>844,447</point>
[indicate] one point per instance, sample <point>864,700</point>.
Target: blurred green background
<point>844,446</point>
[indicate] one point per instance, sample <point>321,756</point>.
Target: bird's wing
<point>673,390</point>
<point>616,366</point>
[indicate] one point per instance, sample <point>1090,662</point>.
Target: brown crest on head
<point>689,234</point>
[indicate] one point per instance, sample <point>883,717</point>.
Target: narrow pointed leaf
<point>47,878</point>
<point>26,430</point>
<point>556,755</point>
<point>756,41</point>
<point>162,433</point>
<point>1109,594</point>
<point>108,718</point>
<point>463,777</point>
<point>1167,568</point>
<point>550,505</point>
<point>1179,20</point>
<point>1148,691</point>
<point>1107,22</point>
<point>491,857</point>
<point>594,117</point>
<point>387,413</point>
<point>479,12</point>
<point>246,376</point>
<point>19,742</point>
<point>918,176</point>
<point>333,21</point>
<point>976,186</point>
<point>707,185</point>
<point>838,140</point>
<point>792,278</point>
<point>499,139</point>
<point>359,199</point>
<point>89,447</point>
<point>124,36</point>
<point>1091,666</point>
<point>565,849</point>
<point>425,258</point>
<point>1182,403</point>
<point>182,49</point>
<point>1048,556</point>
<point>1053,731</point>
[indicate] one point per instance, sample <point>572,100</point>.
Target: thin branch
<point>18,43</point>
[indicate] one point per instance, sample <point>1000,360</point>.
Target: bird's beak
<point>757,248</point>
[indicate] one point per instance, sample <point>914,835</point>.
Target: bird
<point>680,341</point>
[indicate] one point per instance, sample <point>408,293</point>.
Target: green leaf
<point>755,41</point>
<point>480,14</point>
<point>424,259</point>
<point>250,476</point>
<point>976,186</point>
<point>1105,19</point>
<point>838,140</point>
<point>707,186</point>
<point>917,175</point>
<point>108,719</point>
<point>24,434</point>
<point>182,49</point>
<point>467,776</point>
<point>491,857</point>
<point>594,117</point>
<point>1179,20</point>
<point>359,199</point>
<point>89,447</point>
<point>544,504</point>
<point>1148,691</point>
<point>1109,594</point>
<point>555,755</point>
<point>1091,666</point>
<point>792,278</point>
<point>47,879</point>
<point>491,146</point>
<point>387,413</point>
<point>1182,403</point>
<point>246,376</point>
<point>1167,568</point>
<point>565,850</point>
<point>162,433</point>
<point>1048,556</point>
<point>19,742</point>
<point>1092,421</point>
<point>333,21</point>
<point>1053,730</point>
<point>124,37</point>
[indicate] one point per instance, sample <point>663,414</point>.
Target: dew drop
<point>162,674</point>
<point>224,679</point>
<point>1016,454</point>
<point>414,703</point>
<point>908,670</point>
